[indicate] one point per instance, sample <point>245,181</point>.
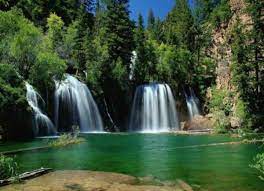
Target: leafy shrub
<point>221,122</point>
<point>220,106</point>
<point>8,167</point>
<point>259,165</point>
<point>221,100</point>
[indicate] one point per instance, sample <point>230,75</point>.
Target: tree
<point>204,8</point>
<point>20,43</point>
<point>141,62</point>
<point>151,20</point>
<point>55,32</point>
<point>256,50</point>
<point>109,58</point>
<point>39,11</point>
<point>178,24</point>
<point>48,66</point>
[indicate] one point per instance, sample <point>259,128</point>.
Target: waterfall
<point>153,109</point>
<point>42,123</point>
<point>74,105</point>
<point>132,65</point>
<point>192,104</point>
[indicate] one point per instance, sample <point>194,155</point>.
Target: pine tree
<point>178,25</point>
<point>151,20</point>
<point>109,64</point>
<point>141,63</point>
<point>256,49</point>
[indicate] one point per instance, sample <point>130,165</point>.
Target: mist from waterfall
<point>42,123</point>
<point>192,103</point>
<point>74,105</point>
<point>153,109</point>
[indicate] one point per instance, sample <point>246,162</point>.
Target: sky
<point>159,7</point>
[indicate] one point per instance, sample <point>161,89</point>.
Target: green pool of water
<point>165,156</point>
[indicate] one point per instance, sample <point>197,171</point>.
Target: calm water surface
<point>165,156</point>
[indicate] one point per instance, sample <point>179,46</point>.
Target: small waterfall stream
<point>192,103</point>
<point>42,123</point>
<point>74,105</point>
<point>153,109</point>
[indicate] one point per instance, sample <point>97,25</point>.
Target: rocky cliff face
<point>221,49</point>
<point>221,52</point>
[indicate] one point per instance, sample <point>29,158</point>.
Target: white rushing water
<point>192,104</point>
<point>42,123</point>
<point>75,104</point>
<point>153,109</point>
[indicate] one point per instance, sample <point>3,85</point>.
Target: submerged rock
<point>90,181</point>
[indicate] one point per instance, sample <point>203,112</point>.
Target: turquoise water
<point>165,156</point>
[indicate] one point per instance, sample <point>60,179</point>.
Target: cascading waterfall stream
<point>42,123</point>
<point>153,109</point>
<point>74,105</point>
<point>192,104</point>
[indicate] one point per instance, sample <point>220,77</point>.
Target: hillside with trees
<point>215,47</point>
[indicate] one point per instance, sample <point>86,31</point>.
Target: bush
<point>259,165</point>
<point>221,107</point>
<point>8,167</point>
<point>221,122</point>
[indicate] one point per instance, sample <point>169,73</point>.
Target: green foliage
<point>11,89</point>
<point>246,69</point>
<point>98,48</point>
<point>221,100</point>
<point>227,106</point>
<point>38,11</point>
<point>255,56</point>
<point>221,107</point>
<point>221,121</point>
<point>204,8</point>
<point>221,14</point>
<point>204,74</point>
<point>55,26</point>
<point>166,57</point>
<point>259,165</point>
<point>21,45</point>
<point>178,25</point>
<point>70,38</point>
<point>48,66</point>
<point>119,72</point>
<point>8,167</point>
<point>141,59</point>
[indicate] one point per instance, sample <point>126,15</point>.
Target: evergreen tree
<point>111,58</point>
<point>151,20</point>
<point>141,62</point>
<point>256,50</point>
<point>204,8</point>
<point>178,25</point>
